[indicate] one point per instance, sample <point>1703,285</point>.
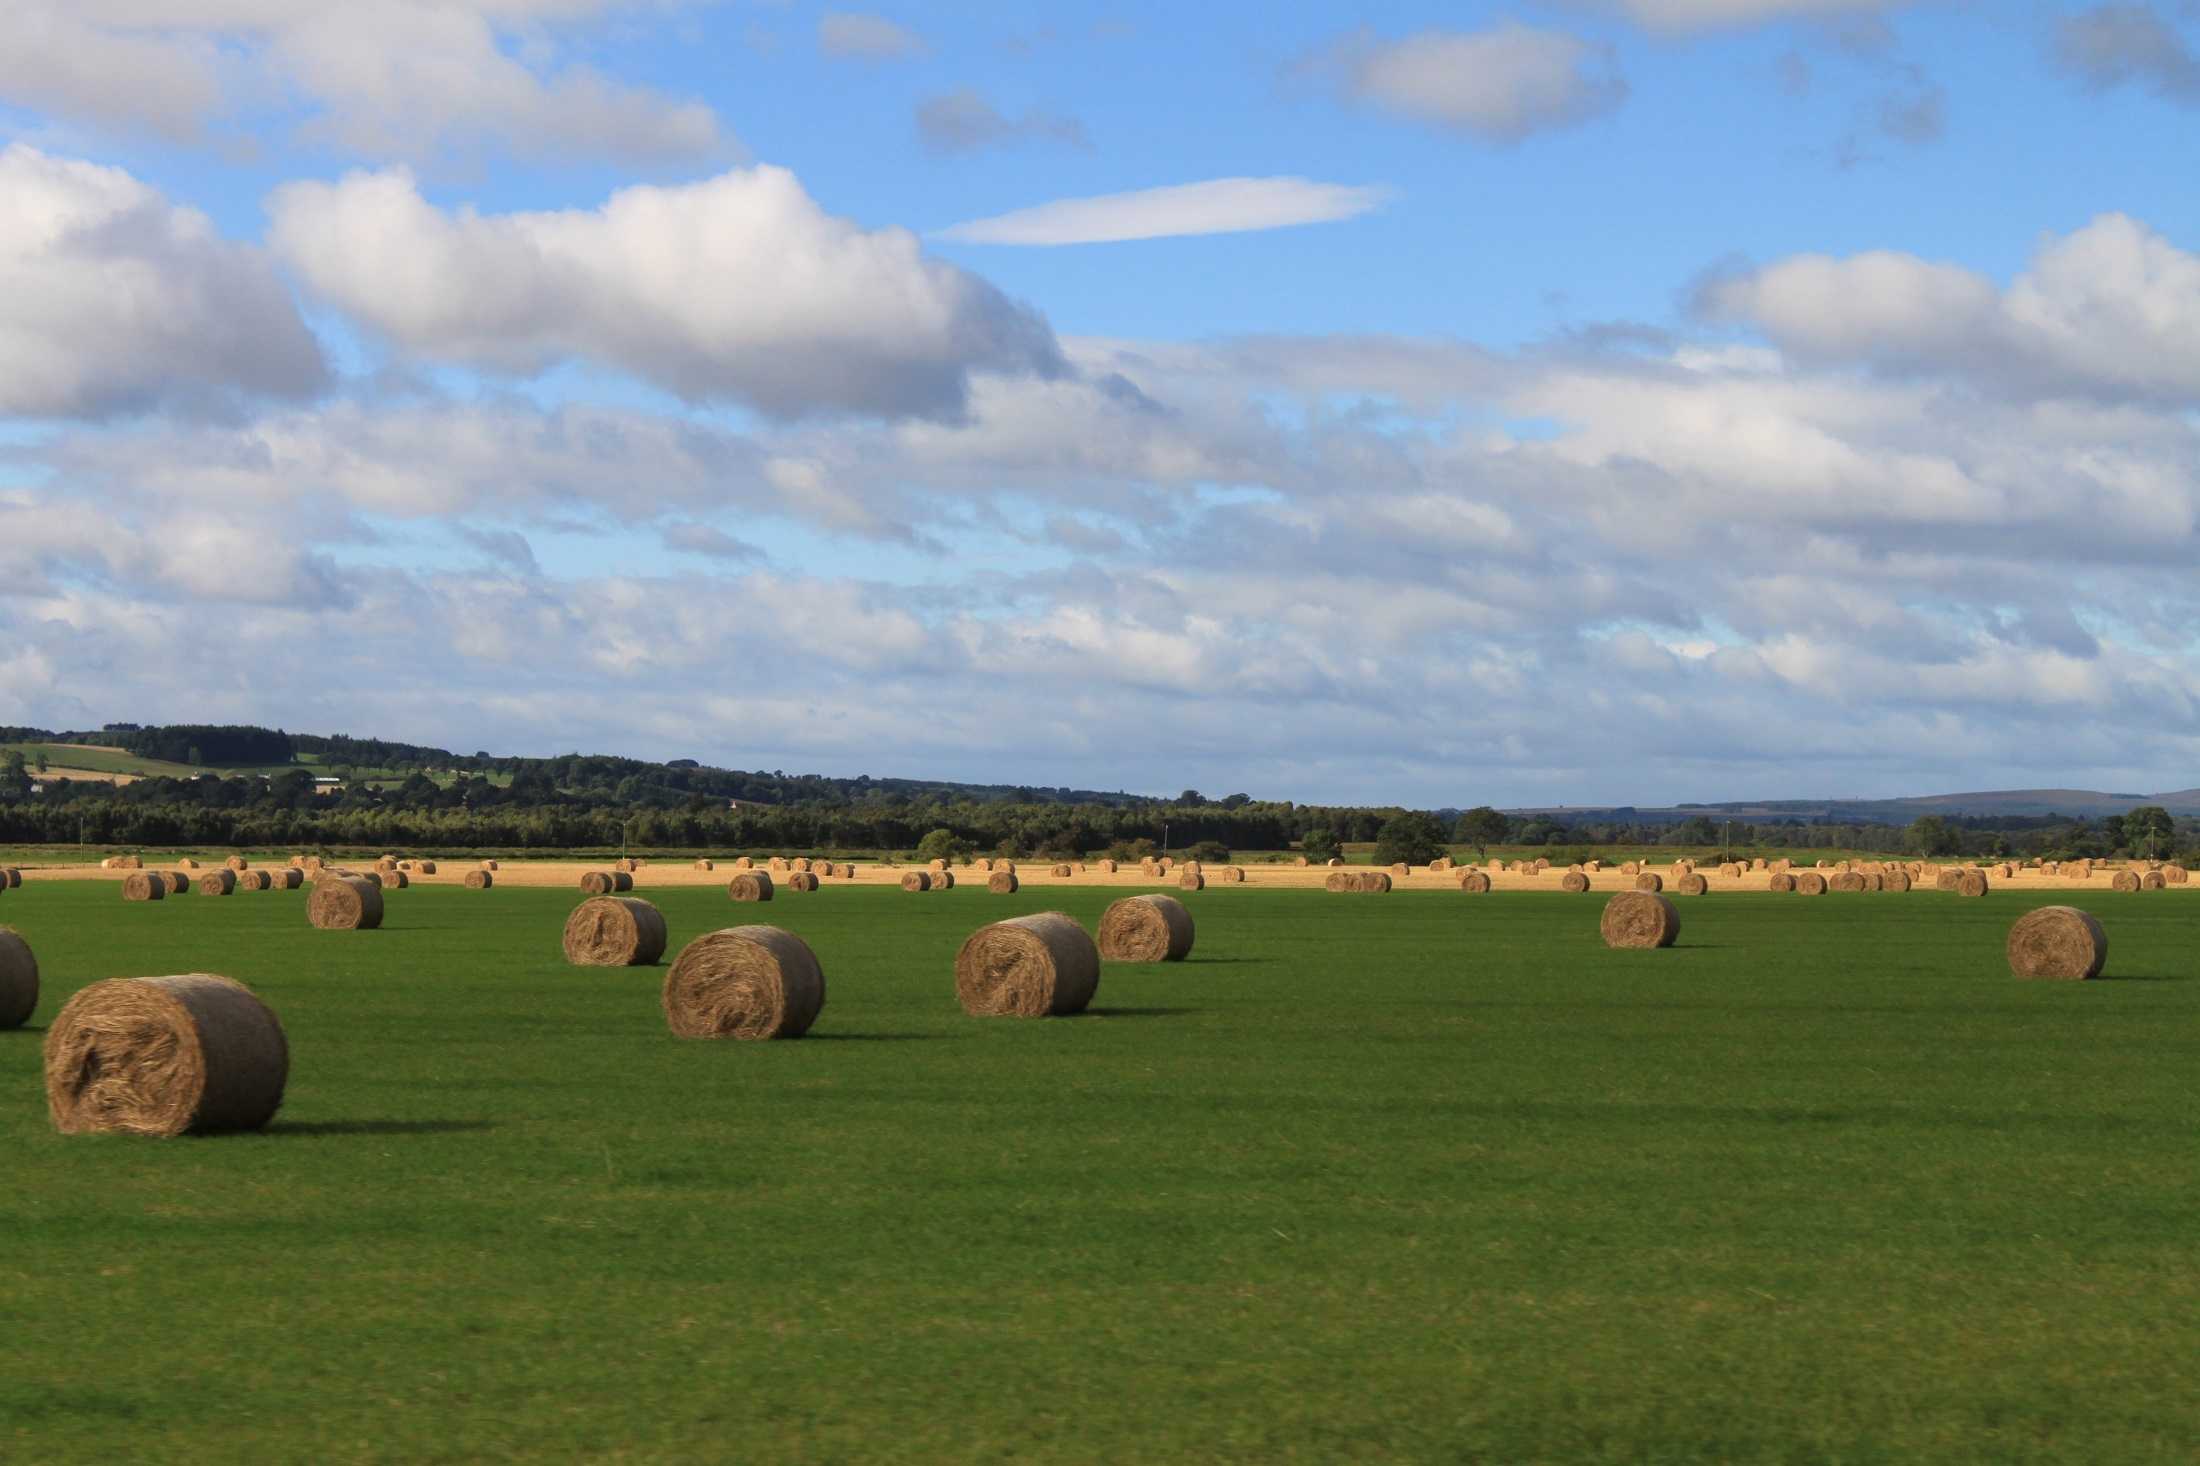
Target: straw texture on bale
<point>1153,928</point>
<point>1640,919</point>
<point>480,880</point>
<point>187,864</point>
<point>1810,883</point>
<point>1573,883</point>
<point>2059,942</point>
<point>2173,873</point>
<point>13,877</point>
<point>176,881</point>
<point>1401,870</point>
<point>387,862</point>
<point>1847,881</point>
<point>614,931</point>
<point>254,880</point>
<point>425,867</point>
<point>1027,967</point>
<point>395,880</point>
<point>1649,880</point>
<point>744,862</point>
<point>1191,880</point>
<point>345,904</point>
<point>1058,871</point>
<point>750,885</point>
<point>1364,882</point>
<point>916,880</point>
<point>628,864</point>
<point>706,865</point>
<point>1231,875</point>
<point>238,862</point>
<point>218,882</point>
<point>490,865</point>
<point>745,982</point>
<point>1692,884</point>
<point>2153,880</point>
<point>1876,881</point>
<point>944,881</point>
<point>1475,883</point>
<point>164,1056</point>
<point>1896,882</point>
<point>1730,870</point>
<point>18,979</point>
<point>1631,868</point>
<point>2124,880</point>
<point>802,880</point>
<point>287,880</point>
<point>597,882</point>
<point>1781,882</point>
<point>1107,867</point>
<point>1971,883</point>
<point>1002,883</point>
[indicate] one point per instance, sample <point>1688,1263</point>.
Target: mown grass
<point>1419,1177</point>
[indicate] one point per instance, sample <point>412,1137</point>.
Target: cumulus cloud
<point>2110,46</point>
<point>738,288</point>
<point>866,37</point>
<point>404,78</point>
<point>1217,206</point>
<point>2113,307</point>
<point>1503,84</point>
<point>112,299</point>
<point>962,121</point>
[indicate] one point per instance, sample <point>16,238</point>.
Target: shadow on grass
<point>379,1127</point>
<point>2144,977</point>
<point>23,1028</point>
<point>1137,1012</point>
<point>814,1037</point>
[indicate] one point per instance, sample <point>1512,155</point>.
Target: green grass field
<point>1420,1177</point>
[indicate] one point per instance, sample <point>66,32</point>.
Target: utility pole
<point>1729,858</point>
<point>1164,837</point>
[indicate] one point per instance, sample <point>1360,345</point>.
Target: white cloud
<point>1217,206</point>
<point>112,299</point>
<point>1692,15</point>
<point>963,121</point>
<point>1505,83</point>
<point>866,37</point>
<point>402,78</point>
<point>737,288</point>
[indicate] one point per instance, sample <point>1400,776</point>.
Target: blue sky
<point>1629,401</point>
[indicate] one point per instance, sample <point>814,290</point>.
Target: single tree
<point>1321,845</point>
<point>1481,827</point>
<point>1409,839</point>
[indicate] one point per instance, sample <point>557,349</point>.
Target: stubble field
<point>1409,1177</point>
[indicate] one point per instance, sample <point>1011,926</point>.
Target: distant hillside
<point>1978,804</point>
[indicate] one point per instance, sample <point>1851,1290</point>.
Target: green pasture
<point>1422,1177</point>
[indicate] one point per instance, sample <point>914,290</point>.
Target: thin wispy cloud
<point>1216,206</point>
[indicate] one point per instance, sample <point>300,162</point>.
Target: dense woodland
<point>432,799</point>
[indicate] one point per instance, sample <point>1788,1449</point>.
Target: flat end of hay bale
<point>2060,943</point>
<point>1640,920</point>
<point>614,931</point>
<point>164,1056</point>
<point>1151,928</point>
<point>746,983</point>
<point>1027,967</point>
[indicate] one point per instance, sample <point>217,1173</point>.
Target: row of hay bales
<point>158,885</point>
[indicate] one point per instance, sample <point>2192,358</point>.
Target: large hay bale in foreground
<point>745,982</point>
<point>1781,882</point>
<point>141,885</point>
<point>218,882</point>
<point>1847,882</point>
<point>1970,883</point>
<point>176,881</point>
<point>1649,880</point>
<point>1475,883</point>
<point>480,880</point>
<point>164,1056</point>
<point>2124,880</point>
<point>1153,928</point>
<point>18,979</point>
<point>1692,884</point>
<point>802,880</point>
<point>598,882</point>
<point>916,880</point>
<point>1573,882</point>
<point>1810,883</point>
<point>614,931</point>
<point>1640,919</point>
<point>345,904</point>
<point>1027,967</point>
<point>1002,883</point>
<point>254,880</point>
<point>751,885</point>
<point>2059,942</point>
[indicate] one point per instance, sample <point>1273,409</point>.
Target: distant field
<point>83,760</point>
<point>1413,1177</point>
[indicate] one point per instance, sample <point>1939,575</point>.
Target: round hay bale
<point>1191,880</point>
<point>12,878</point>
<point>1895,881</point>
<point>1649,880</point>
<point>1758,863</point>
<point>1002,883</point>
<point>18,979</point>
<point>614,931</point>
<point>1574,883</point>
<point>218,882</point>
<point>490,865</point>
<point>2005,872</point>
<point>756,885</point>
<point>1971,883</point>
<point>1401,870</point>
<point>1591,867</point>
<point>1781,882</point>
<point>164,1056</point>
<point>1231,875</point>
<point>1058,871</point>
<point>1848,882</point>
<point>745,982</point>
<point>2124,880</point>
<point>1475,883</point>
<point>2153,880</point>
<point>801,863</point>
<point>345,904</point>
<point>176,881</point>
<point>802,880</point>
<point>706,865</point>
<point>1301,860</point>
<point>1152,928</point>
<point>2058,942</point>
<point>1810,883</point>
<point>1640,919</point>
<point>1336,862</point>
<point>287,879</point>
<point>1876,881</point>
<point>936,866</point>
<point>425,867</point>
<point>404,865</point>
<point>744,862</point>
<point>1107,867</point>
<point>1945,879</point>
<point>187,864</point>
<point>237,862</point>
<point>916,880</point>
<point>1692,884</point>
<point>480,880</point>
<point>1440,865</point>
<point>984,863</point>
<point>371,877</point>
<point>254,880</point>
<point>1730,871</point>
<point>944,881</point>
<point>1631,868</point>
<point>2173,873</point>
<point>629,864</point>
<point>1027,967</point>
<point>386,862</point>
<point>395,880</point>
<point>597,882</point>
<point>129,862</point>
